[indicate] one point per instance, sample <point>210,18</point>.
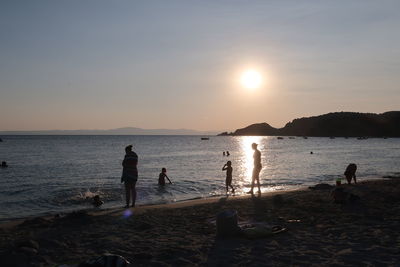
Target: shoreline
<point>318,231</point>
<point>9,223</point>
<point>6,223</point>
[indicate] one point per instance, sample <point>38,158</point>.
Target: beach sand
<point>319,232</point>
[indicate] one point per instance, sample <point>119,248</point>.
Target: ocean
<point>55,174</point>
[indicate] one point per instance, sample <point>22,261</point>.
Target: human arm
<point>225,167</point>
<point>168,179</point>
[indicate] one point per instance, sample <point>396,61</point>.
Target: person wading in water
<point>130,175</point>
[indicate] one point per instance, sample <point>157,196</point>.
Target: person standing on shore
<point>130,175</point>
<point>256,169</point>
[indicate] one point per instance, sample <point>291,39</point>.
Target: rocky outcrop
<point>346,124</point>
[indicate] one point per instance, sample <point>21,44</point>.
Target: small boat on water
<point>305,137</point>
<point>280,137</point>
<point>205,138</point>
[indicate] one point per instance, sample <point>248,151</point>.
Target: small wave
<point>85,196</point>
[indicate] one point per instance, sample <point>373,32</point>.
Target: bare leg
<point>252,185</point>
<point>127,193</point>
<point>355,180</point>
<point>233,189</point>
<point>258,183</point>
<point>133,189</point>
<point>253,180</point>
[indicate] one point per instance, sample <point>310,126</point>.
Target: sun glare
<point>251,79</point>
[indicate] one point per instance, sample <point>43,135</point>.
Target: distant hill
<point>119,131</point>
<point>349,124</point>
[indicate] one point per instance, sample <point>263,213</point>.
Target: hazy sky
<point>91,64</point>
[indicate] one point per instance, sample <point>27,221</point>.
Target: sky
<point>92,64</point>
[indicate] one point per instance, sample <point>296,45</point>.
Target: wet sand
<point>319,232</point>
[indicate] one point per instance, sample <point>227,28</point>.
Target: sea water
<point>53,174</point>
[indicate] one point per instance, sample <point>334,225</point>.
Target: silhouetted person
<point>97,202</point>
<point>256,169</point>
<point>4,164</point>
<point>227,153</point>
<point>162,176</point>
<point>223,153</point>
<point>130,175</point>
<point>228,181</point>
<point>351,173</point>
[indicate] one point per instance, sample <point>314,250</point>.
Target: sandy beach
<point>318,232</point>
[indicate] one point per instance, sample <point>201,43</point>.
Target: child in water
<point>228,182</point>
<point>162,176</point>
<point>97,202</point>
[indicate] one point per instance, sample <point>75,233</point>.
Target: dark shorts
<point>130,184</point>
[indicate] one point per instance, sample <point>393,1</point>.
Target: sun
<point>251,79</point>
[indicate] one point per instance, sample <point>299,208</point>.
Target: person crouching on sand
<point>162,176</point>
<point>350,173</point>
<point>228,181</point>
<point>130,175</point>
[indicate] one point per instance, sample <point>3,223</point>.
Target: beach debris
<point>227,224</point>
<point>344,251</point>
<point>106,260</point>
<point>293,221</point>
<point>321,187</point>
<point>227,227</point>
<point>262,231</point>
<point>4,164</point>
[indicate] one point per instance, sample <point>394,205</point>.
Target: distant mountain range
<point>119,131</point>
<point>350,124</point>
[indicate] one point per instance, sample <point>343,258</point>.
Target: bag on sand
<point>227,224</point>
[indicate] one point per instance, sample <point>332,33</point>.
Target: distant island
<point>337,124</point>
<point>118,131</point>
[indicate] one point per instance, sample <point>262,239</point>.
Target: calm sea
<point>52,174</point>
